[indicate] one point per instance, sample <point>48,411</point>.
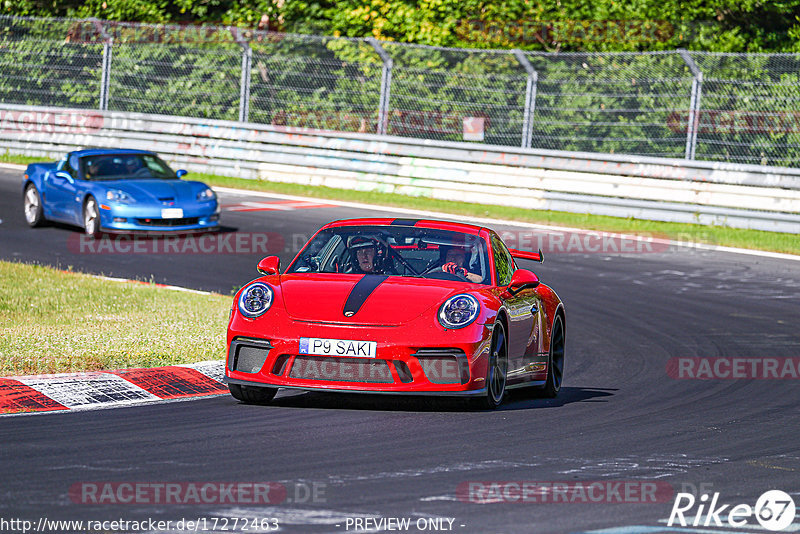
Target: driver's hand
<point>453,268</point>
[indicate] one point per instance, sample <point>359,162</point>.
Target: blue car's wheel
<point>91,218</point>
<point>32,206</point>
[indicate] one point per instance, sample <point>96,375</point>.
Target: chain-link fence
<point>741,108</point>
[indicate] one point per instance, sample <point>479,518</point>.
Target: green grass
<point>52,322</point>
<point>5,157</point>
<point>690,233</point>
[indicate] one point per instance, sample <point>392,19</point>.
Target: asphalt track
<point>620,416</point>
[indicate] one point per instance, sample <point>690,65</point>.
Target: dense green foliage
<point>549,25</point>
<point>585,100</point>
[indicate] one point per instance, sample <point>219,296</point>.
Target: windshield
<point>125,166</point>
<point>396,251</point>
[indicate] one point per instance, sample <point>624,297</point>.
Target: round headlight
<point>255,299</point>
<point>205,195</point>
<point>459,311</point>
<point>117,195</point>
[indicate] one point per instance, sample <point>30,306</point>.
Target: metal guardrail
<point>743,196</point>
<point>670,103</point>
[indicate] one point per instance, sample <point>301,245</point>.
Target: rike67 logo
<point>774,510</point>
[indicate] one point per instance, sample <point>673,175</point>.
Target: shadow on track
<point>516,400</point>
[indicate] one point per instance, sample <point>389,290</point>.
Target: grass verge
<point>53,322</point>
<point>690,233</point>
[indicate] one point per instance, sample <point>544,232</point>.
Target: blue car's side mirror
<point>181,172</point>
<point>63,175</point>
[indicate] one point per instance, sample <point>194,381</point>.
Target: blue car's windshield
<point>396,251</point>
<point>125,166</point>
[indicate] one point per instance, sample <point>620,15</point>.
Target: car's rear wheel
<point>555,360</point>
<point>252,394</point>
<point>32,205</point>
<point>91,218</point>
<point>497,370</point>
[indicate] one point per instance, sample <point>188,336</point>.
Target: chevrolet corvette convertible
<point>397,306</point>
<point>117,191</point>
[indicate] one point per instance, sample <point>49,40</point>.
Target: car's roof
<point>418,223</point>
<point>107,151</point>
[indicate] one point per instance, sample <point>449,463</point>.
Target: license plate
<point>172,213</point>
<point>338,347</point>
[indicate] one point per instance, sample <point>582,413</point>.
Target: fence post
<point>386,86</point>
<point>530,98</point>
<point>694,104</point>
<point>244,82</point>
<point>105,74</point>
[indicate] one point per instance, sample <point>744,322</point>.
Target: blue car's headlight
<point>459,311</point>
<point>205,195</point>
<point>117,195</point>
<point>255,300</point>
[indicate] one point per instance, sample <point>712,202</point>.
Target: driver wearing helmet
<point>454,260</point>
<point>132,165</point>
<point>368,255</point>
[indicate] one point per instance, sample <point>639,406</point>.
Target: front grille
<point>335,369</point>
<point>186,221</point>
<point>248,355</point>
<point>444,366</point>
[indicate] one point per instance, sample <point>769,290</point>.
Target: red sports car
<point>397,306</point>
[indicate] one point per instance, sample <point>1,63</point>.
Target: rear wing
<point>525,255</point>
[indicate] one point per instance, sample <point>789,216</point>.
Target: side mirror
<point>522,279</point>
<point>270,265</point>
<point>64,175</point>
<point>181,173</point>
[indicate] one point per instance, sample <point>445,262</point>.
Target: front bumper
<point>147,220</point>
<point>408,360</point>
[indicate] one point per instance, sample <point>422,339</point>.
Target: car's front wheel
<point>91,218</point>
<point>251,394</point>
<point>32,205</point>
<point>497,370</point>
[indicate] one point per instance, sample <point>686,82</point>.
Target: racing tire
<point>32,207</point>
<point>497,370</point>
<point>555,361</point>
<point>251,394</point>
<point>91,218</point>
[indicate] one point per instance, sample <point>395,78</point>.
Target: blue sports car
<point>117,191</point>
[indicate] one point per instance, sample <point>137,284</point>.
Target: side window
<point>503,262</point>
<point>68,168</point>
<point>64,165</point>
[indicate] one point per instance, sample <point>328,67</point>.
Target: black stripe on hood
<point>404,222</point>
<point>361,292</point>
